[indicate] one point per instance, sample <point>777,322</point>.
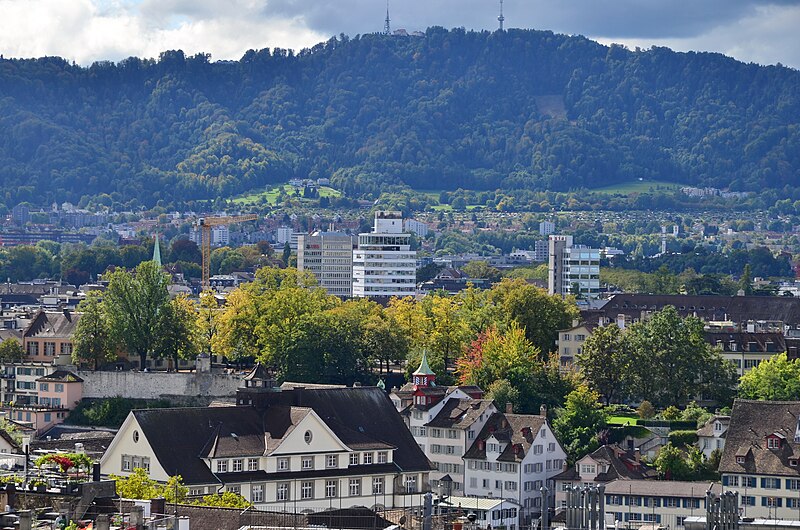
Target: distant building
<point>49,335</point>
<point>572,269</point>
<point>416,227</point>
<point>329,257</point>
<point>711,436</point>
<point>540,250</point>
<point>283,235</point>
<point>384,264</point>
<point>20,214</point>
<point>547,227</point>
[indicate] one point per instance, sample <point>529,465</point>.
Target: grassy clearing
<point>270,196</point>
<point>638,186</point>
<point>623,420</point>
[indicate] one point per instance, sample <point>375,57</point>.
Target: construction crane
<point>206,224</point>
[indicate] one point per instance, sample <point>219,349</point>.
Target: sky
<point>760,31</point>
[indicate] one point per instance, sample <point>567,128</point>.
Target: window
<point>537,468</point>
<point>196,492</point>
<point>307,462</point>
<point>66,348</point>
<point>671,502</point>
<point>222,466</point>
<point>307,489</point>
<point>551,447</point>
<point>748,500</point>
<point>411,484</point>
<point>773,443</point>
<point>33,349</point>
<point>252,464</point>
<point>282,492</point>
<point>238,465</point>
<point>367,458</point>
<point>793,484</point>
<point>237,489</point>
<point>566,336</point>
<point>48,417</point>
<point>59,387</point>
<point>307,437</point>
<point>330,488</point>
<point>770,483</point>
<point>730,480</point>
<point>146,463</point>
<point>739,459</point>
<point>257,493</point>
<point>383,457</point>
<point>537,449</point>
<point>126,463</point>
<point>353,459</point>
<point>355,487</point>
<point>283,464</point>
<point>436,433</point>
<point>473,482</point>
<point>749,482</point>
<point>332,461</point>
<point>44,387</point>
<point>377,485</point>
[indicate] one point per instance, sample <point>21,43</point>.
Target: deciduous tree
<point>93,341</point>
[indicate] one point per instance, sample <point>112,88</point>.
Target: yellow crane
<point>206,224</point>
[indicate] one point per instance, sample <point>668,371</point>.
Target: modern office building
<point>572,269</point>
<point>329,257</point>
<point>384,264</point>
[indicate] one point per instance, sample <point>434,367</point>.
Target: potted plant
<point>38,485</point>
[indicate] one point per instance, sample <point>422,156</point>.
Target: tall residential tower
<point>384,264</point>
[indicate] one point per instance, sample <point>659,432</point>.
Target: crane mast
<point>206,224</point>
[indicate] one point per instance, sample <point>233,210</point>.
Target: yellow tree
<point>235,336</point>
<point>208,317</point>
<point>448,332</point>
<point>411,319</point>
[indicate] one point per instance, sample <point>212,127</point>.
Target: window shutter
<point>724,480</point>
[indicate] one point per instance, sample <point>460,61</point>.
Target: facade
<point>711,436</point>
<point>307,448</point>
<point>49,335</point>
<point>60,389</point>
<point>660,503</point>
<point>547,227</point>
<point>760,458</point>
<point>384,264</point>
<point>489,513</point>
<point>570,343</point>
<point>513,457</point>
<point>572,269</point>
<point>416,227</point>
<point>605,464</point>
<point>19,382</point>
<point>747,350</point>
<point>329,257</point>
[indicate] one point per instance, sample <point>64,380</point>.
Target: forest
<point>515,110</point>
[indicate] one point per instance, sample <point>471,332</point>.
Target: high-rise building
<point>547,227</point>
<point>383,263</point>
<point>329,257</point>
<point>572,269</point>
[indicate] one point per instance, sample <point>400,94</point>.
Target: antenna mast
<point>386,28</point>
<point>500,19</point>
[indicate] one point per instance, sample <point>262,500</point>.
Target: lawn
<point>623,420</point>
<point>270,196</point>
<point>638,186</point>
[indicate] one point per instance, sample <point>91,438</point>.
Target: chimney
<point>509,408</point>
<point>543,411</point>
<point>575,322</point>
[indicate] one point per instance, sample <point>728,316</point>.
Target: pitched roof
<point>620,464</point>
<point>460,413</point>
<point>259,372</point>
<point>53,324</point>
<point>708,307</point>
<point>662,488</point>
<point>708,427</point>
<point>751,422</point>
<point>61,376</point>
<point>511,429</point>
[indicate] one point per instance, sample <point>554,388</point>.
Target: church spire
<point>423,376</point>
<point>157,251</point>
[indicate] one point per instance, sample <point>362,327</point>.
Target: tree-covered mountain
<point>513,110</point>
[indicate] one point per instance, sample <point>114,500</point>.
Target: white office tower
<point>572,269</point>
<point>384,264</point>
<point>329,257</point>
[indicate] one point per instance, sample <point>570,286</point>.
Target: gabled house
<point>513,457</point>
<point>49,335</point>
<point>711,435</point>
<point>299,449</point>
<point>761,457</point>
<point>603,465</point>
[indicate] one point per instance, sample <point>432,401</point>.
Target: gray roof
<point>460,413</point>
<point>621,464</point>
<point>750,425</point>
<point>662,488</point>
<point>53,324</point>
<point>509,428</point>
<point>707,429</point>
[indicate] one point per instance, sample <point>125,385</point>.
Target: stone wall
<point>177,386</point>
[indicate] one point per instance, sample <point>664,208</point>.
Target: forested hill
<point>520,109</point>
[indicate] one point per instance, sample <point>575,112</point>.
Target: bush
<point>682,439</point>
<point>646,410</point>
<point>110,412</point>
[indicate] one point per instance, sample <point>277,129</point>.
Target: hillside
<point>513,110</point>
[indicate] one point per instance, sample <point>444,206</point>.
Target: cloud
<point>87,30</point>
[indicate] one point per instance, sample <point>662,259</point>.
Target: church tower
<point>423,377</point>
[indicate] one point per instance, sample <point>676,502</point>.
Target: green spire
<point>157,251</point>
<point>424,369</point>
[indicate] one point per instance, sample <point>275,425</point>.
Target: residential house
<point>513,457</point>
<point>299,449</point>
<point>49,335</point>
<point>603,465</point>
<point>760,457</point>
<point>660,503</point>
<point>19,381</point>
<point>570,342</point>
<point>60,389</point>
<point>711,436</point>
<point>444,421</point>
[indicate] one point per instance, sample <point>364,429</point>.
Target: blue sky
<point>761,31</point>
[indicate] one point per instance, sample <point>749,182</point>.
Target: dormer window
<point>773,442</point>
<point>718,426</point>
<point>793,462</point>
<point>740,459</point>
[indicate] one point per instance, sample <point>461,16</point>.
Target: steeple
<point>424,376</point>
<point>386,28</point>
<point>157,251</point>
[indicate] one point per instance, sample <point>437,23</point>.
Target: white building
<point>489,513</point>
<point>329,257</point>
<point>711,435</point>
<point>220,236</point>
<point>303,449</point>
<point>513,457</point>
<point>283,235</point>
<point>572,269</point>
<point>547,227</point>
<point>384,264</point>
<point>416,227</point>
